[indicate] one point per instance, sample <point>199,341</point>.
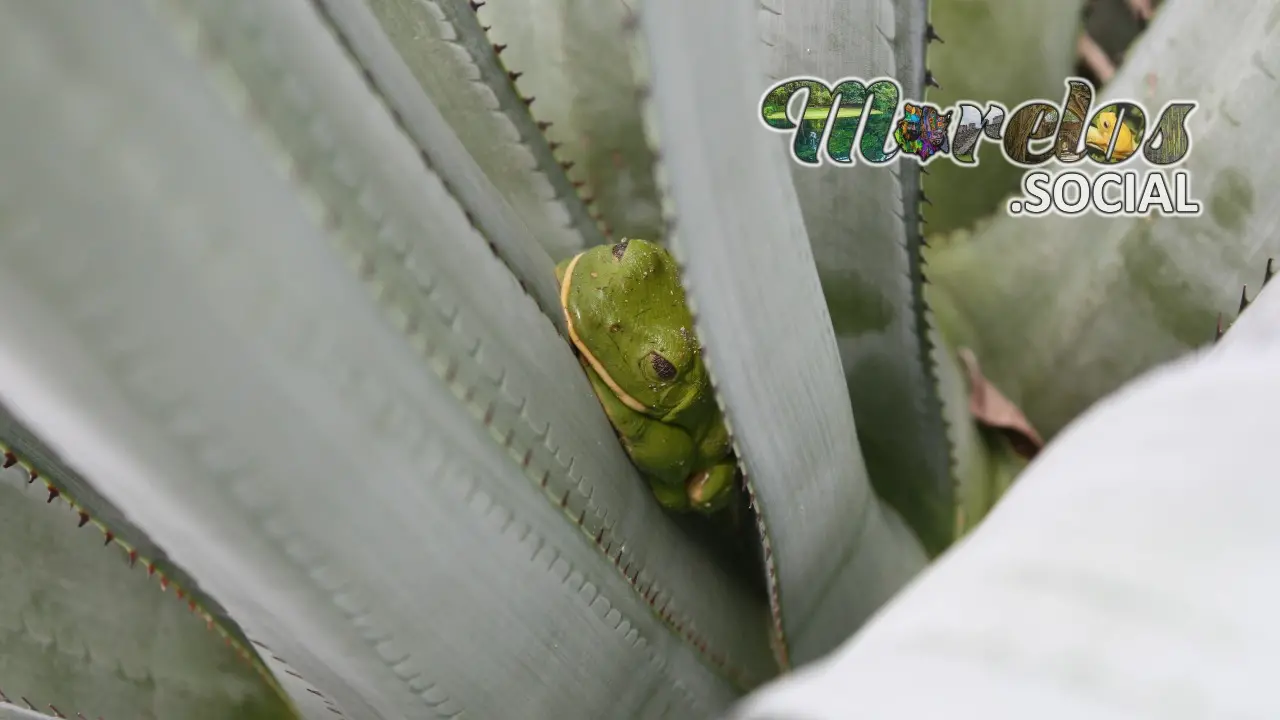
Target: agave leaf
<point>1060,605</point>
<point>499,214</point>
<point>13,712</point>
<point>224,364</point>
<point>866,244</point>
<point>985,464</point>
<point>1062,310</point>
<point>994,51</point>
<point>833,552</point>
<point>51,477</point>
<point>1258,325</point>
<point>59,482</point>
<point>83,632</point>
<point>9,711</point>
<point>445,47</point>
<point>573,57</point>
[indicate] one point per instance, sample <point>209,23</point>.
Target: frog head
<point>626,314</point>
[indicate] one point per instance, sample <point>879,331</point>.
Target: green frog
<point>627,317</point>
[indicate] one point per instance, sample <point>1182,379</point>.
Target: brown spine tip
<point>476,5</point>
<point>1271,272</point>
<point>930,80</point>
<point>107,537</point>
<point>924,198</point>
<point>53,493</point>
<point>84,519</point>
<point>9,460</point>
<point>567,165</point>
<point>931,35</point>
<point>543,125</point>
<point>553,145</point>
<point>1244,298</point>
<point>32,475</point>
<point>498,48</point>
<point>513,75</point>
<point>133,558</point>
<point>528,101</point>
<point>1218,334</point>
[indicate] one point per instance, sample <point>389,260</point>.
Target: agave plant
<point>281,323</point>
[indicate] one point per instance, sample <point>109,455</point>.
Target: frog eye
<point>620,249</point>
<point>662,366</point>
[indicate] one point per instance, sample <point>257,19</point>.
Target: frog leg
<point>663,453</point>
<point>711,490</point>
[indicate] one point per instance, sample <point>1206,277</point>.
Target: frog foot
<point>672,497</point>
<point>710,490</point>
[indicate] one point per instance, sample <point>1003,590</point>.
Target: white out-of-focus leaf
<point>1129,573</point>
<point>834,552</point>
